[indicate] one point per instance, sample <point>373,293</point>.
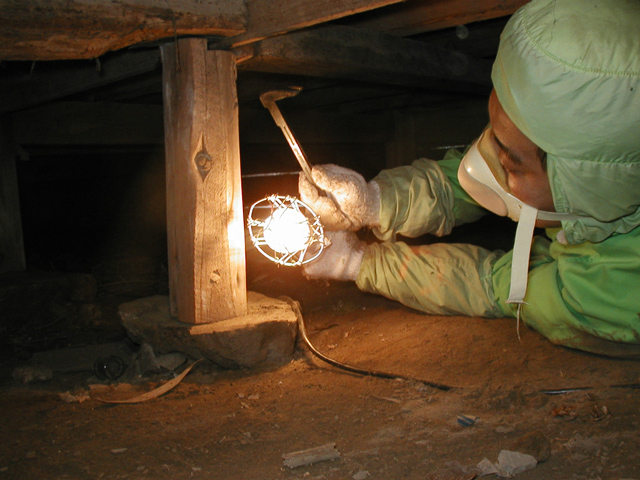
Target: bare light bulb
<point>285,230</point>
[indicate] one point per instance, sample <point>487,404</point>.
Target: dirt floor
<point>228,425</point>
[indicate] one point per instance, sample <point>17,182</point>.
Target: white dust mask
<point>483,178</point>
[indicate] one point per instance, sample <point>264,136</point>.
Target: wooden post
<point>12,256</point>
<point>207,276</point>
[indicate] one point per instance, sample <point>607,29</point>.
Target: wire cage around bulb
<point>285,230</point>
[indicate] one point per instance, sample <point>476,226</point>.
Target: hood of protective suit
<point>567,74</point>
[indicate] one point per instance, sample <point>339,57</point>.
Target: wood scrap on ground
<point>161,390</point>
<point>311,455</point>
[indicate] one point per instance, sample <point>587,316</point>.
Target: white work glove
<point>340,260</point>
<point>351,204</point>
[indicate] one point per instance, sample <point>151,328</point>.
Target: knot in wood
<point>203,162</point>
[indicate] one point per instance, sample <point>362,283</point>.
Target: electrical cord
<point>440,386</point>
<point>361,371</point>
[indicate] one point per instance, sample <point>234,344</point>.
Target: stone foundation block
<point>266,334</point>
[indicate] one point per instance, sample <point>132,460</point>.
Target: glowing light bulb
<point>287,230</point>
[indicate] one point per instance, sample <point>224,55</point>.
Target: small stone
<point>534,444</point>
<point>171,361</point>
<point>32,373</point>
<point>361,475</point>
<point>69,398</point>
<point>146,360</point>
<point>504,429</point>
<point>512,463</point>
<point>118,450</point>
<point>486,467</point>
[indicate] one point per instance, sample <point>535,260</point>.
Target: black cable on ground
<point>361,371</point>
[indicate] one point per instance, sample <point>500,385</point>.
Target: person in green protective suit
<point>562,152</point>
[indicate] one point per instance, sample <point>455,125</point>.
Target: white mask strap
<point>520,259</point>
<point>521,253</point>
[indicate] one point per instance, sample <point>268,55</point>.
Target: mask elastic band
<point>520,258</point>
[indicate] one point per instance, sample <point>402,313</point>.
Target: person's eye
<point>508,165</point>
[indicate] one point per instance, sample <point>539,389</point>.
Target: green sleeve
<point>581,296</point>
<point>442,279</point>
<point>424,197</point>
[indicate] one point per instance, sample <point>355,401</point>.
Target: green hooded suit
<point>567,74</point>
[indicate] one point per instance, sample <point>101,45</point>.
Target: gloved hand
<point>351,204</point>
<point>340,260</point>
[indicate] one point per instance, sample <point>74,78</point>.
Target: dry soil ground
<point>232,425</point>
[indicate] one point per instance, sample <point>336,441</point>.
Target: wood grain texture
<point>267,18</point>
<point>418,16</point>
<point>357,54</point>
<point>204,195</point>
<point>74,29</point>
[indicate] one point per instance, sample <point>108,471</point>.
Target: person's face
<point>519,157</point>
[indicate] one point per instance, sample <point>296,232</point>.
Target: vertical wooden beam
<point>207,275</point>
<point>12,256</point>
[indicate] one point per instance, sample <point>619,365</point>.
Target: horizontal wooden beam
<point>418,16</point>
<point>355,54</point>
<point>45,84</point>
<point>81,29</point>
<point>267,18</point>
<point>74,29</point>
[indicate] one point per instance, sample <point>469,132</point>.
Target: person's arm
<point>579,296</point>
<point>441,279</point>
<point>424,197</point>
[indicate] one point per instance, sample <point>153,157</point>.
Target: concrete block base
<point>267,334</point>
